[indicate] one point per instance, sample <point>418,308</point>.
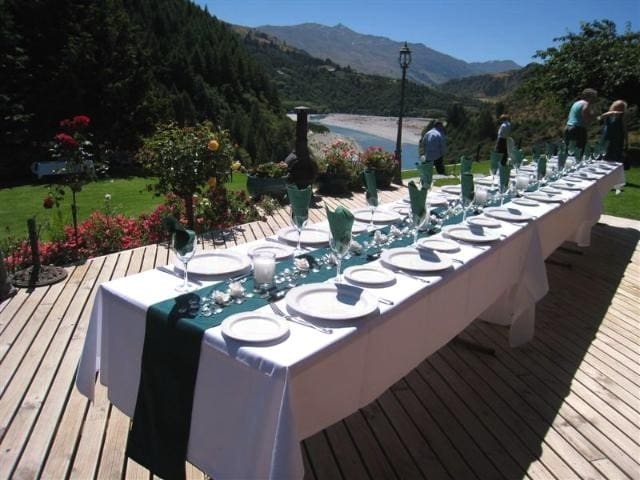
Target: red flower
<point>67,140</point>
<point>66,123</point>
<point>48,202</point>
<point>81,121</point>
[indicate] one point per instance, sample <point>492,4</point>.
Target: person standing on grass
<point>504,130</point>
<point>435,146</point>
<point>581,114</point>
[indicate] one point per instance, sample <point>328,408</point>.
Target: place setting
<point>508,214</point>
<point>472,233</point>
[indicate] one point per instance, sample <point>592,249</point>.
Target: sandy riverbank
<point>385,127</point>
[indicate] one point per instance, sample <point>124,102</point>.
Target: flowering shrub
<point>220,209</point>
<point>338,159</point>
<point>376,158</point>
<point>270,170</point>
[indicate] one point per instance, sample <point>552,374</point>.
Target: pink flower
<point>81,121</point>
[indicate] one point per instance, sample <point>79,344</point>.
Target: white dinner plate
<point>359,227</point>
<point>545,197</point>
<point>314,236</point>
<point>280,251</point>
<point>508,214</point>
<point>254,327</point>
<point>221,262</point>
<point>563,185</point>
<point>433,199</point>
<point>438,244</point>
<point>484,222</point>
<point>551,190</point>
<point>485,181</point>
<point>472,233</point>
<point>416,260</point>
<point>452,189</point>
<point>402,209</point>
<point>588,176</point>
<point>526,202</point>
<point>528,168</point>
<point>381,215</point>
<point>328,301</point>
<point>369,275</point>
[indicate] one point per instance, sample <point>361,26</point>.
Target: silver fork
<point>297,320</point>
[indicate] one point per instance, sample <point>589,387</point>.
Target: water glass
<point>264,269</point>
<point>184,257</point>
<point>300,219</point>
<point>522,182</point>
<point>373,205</point>
<point>339,247</point>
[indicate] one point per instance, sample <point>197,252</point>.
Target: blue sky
<point>471,30</point>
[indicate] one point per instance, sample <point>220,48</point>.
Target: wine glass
<point>300,217</point>
<point>521,184</point>
<point>339,247</point>
<point>418,221</point>
<point>372,200</point>
<point>184,254</point>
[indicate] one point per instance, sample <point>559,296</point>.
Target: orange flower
<point>213,145</point>
<point>212,182</point>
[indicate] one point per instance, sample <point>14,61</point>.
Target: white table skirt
<point>254,404</point>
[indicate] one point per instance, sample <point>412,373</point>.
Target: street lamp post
<point>405,60</point>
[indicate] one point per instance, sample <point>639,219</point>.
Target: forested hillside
<point>326,87</point>
<point>489,86</point>
<point>127,64</point>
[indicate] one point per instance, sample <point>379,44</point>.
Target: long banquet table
<point>253,404</point>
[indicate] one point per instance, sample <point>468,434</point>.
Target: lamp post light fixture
<point>405,60</point>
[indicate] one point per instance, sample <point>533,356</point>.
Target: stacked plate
<point>472,234</point>
<point>280,251</point>
<point>313,236</point>
<point>545,197</point>
<point>254,327</point>
<point>508,213</point>
<point>438,244</point>
<point>369,275</point>
<point>328,301</point>
<point>416,260</point>
<point>381,215</point>
<point>221,262</point>
<point>483,222</point>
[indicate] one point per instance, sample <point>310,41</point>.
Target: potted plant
<point>382,162</point>
<point>269,178</point>
<point>337,167</point>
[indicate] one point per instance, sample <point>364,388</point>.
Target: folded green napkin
<point>549,148</point>
<point>299,198</point>
<point>417,199</point>
<point>340,223</point>
<point>425,170</point>
<point>505,176</point>
<point>535,152</point>
<point>496,159</point>
<point>369,180</point>
<point>516,157</point>
<point>465,164</point>
<point>542,166</point>
<point>562,159</point>
<point>466,186</point>
<point>184,238</point>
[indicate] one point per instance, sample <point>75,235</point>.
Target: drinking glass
<point>373,205</point>
<point>339,247</point>
<point>184,257</point>
<point>418,221</point>
<point>522,182</point>
<point>300,219</point>
<point>481,197</point>
<point>264,269</point>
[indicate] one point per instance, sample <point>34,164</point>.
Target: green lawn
<point>129,196</point>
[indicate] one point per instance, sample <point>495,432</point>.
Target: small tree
<point>73,146</point>
<point>186,158</point>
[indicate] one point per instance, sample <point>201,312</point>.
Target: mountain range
<point>377,55</point>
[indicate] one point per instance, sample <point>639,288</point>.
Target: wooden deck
<point>565,406</point>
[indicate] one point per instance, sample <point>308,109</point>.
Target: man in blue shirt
<point>435,146</point>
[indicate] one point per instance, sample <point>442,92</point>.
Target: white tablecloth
<point>254,404</point>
